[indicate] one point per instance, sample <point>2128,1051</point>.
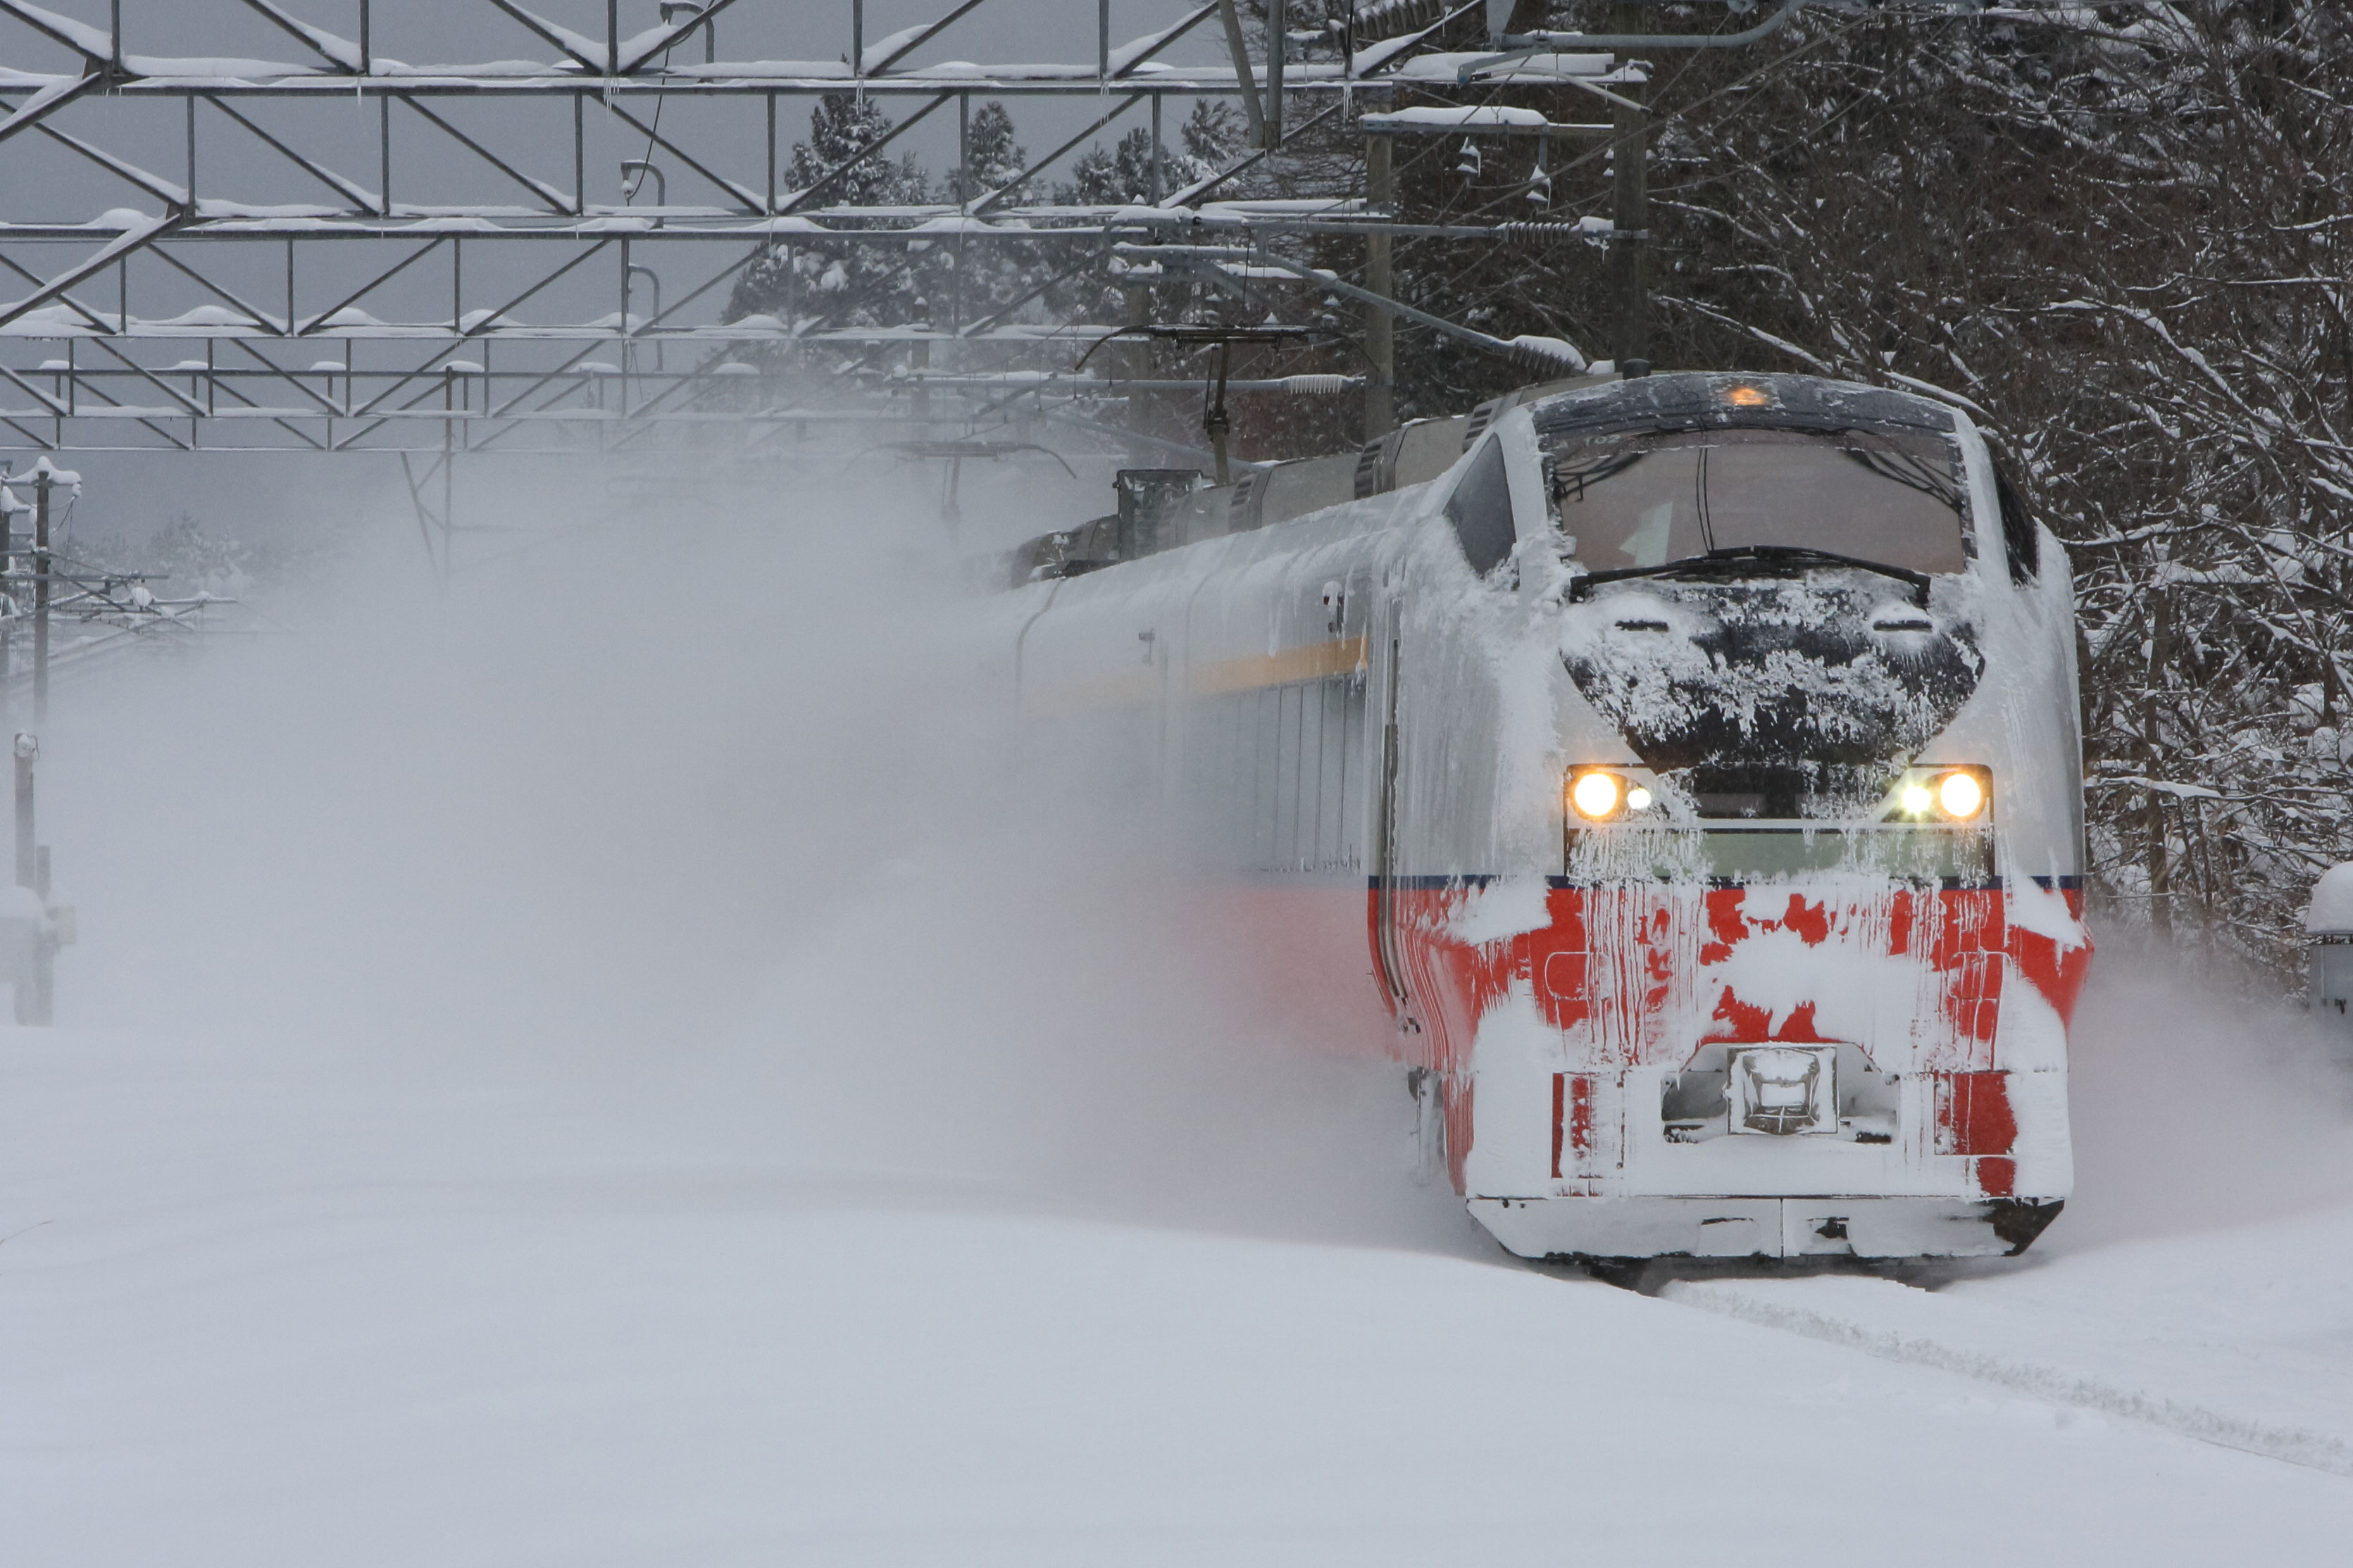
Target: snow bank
<point>2332,902</point>
<point>2197,1102</point>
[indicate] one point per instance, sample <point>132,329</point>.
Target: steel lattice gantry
<point>345,251</point>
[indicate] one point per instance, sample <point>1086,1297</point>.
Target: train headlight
<point>1595,795</point>
<point>1638,798</point>
<point>1956,796</point>
<point>1960,795</point>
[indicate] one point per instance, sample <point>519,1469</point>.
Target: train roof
<point>1684,399</point>
<point>1164,509</point>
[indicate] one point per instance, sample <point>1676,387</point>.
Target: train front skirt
<point>1764,1227</point>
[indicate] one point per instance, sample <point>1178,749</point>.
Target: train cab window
<point>1645,499</point>
<point>1480,510</point>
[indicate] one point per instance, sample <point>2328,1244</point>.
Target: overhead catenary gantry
<point>345,251</point>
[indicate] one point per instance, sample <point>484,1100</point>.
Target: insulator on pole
<point>1545,356</point>
<point>1526,233</point>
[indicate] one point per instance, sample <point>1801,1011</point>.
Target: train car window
<point>2018,536</point>
<point>1480,510</point>
<point>1646,499</point>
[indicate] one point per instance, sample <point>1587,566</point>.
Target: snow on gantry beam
<point>749,79</point>
<point>1473,119</point>
<point>212,322</point>
<point>1026,224</point>
<point>659,59</point>
<point>109,285</point>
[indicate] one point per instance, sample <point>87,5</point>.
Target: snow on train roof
<point>1718,397</point>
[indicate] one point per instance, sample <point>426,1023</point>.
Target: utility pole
<point>10,508</point>
<point>2152,734</point>
<point>33,930</point>
<point>1380,326</point>
<point>1630,157</point>
<point>27,856</point>
<point>41,486</point>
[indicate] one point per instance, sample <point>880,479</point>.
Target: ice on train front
<point>1809,926</point>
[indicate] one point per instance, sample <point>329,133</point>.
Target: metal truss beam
<point>48,100</point>
<point>225,242</point>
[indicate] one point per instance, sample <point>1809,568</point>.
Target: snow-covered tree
<point>844,283</point>
<point>993,152</point>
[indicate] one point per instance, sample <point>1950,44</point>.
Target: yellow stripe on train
<point>1317,662</point>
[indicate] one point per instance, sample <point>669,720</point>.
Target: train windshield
<point>1646,498</point>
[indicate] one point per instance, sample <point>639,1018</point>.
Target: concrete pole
<point>2160,866</point>
<point>32,872</point>
<point>27,855</point>
<point>1629,250</point>
<point>8,548</point>
<point>41,486</point>
<point>1380,326</point>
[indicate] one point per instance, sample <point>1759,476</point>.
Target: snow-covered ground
<point>537,1092</point>
<point>256,1312</point>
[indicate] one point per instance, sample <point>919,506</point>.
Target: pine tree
<point>993,154</point>
<point>845,283</point>
<point>1211,137</point>
<point>840,127</point>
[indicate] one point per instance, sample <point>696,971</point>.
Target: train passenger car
<point>1683,787</point>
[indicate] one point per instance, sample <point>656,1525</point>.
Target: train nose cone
<point>1734,676</point>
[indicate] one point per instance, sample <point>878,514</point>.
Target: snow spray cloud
<point>695,812</point>
<point>2197,1102</point>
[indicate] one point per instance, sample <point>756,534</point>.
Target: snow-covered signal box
<point>2329,922</point>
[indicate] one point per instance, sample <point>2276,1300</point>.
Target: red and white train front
<point>1702,752</point>
<point>1734,892</point>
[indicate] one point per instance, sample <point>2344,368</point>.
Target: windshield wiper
<point>1605,466</point>
<point>1732,558</point>
<point>1893,463</point>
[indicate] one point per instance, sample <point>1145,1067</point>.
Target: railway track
<point>2286,1401</point>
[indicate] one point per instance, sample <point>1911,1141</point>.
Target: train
<point>1677,775</point>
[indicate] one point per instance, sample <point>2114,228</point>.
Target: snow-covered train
<point>1678,775</point>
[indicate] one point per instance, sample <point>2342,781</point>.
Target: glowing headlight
<point>1918,799</point>
<point>1638,798</point>
<point>1595,795</point>
<point>1960,795</point>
